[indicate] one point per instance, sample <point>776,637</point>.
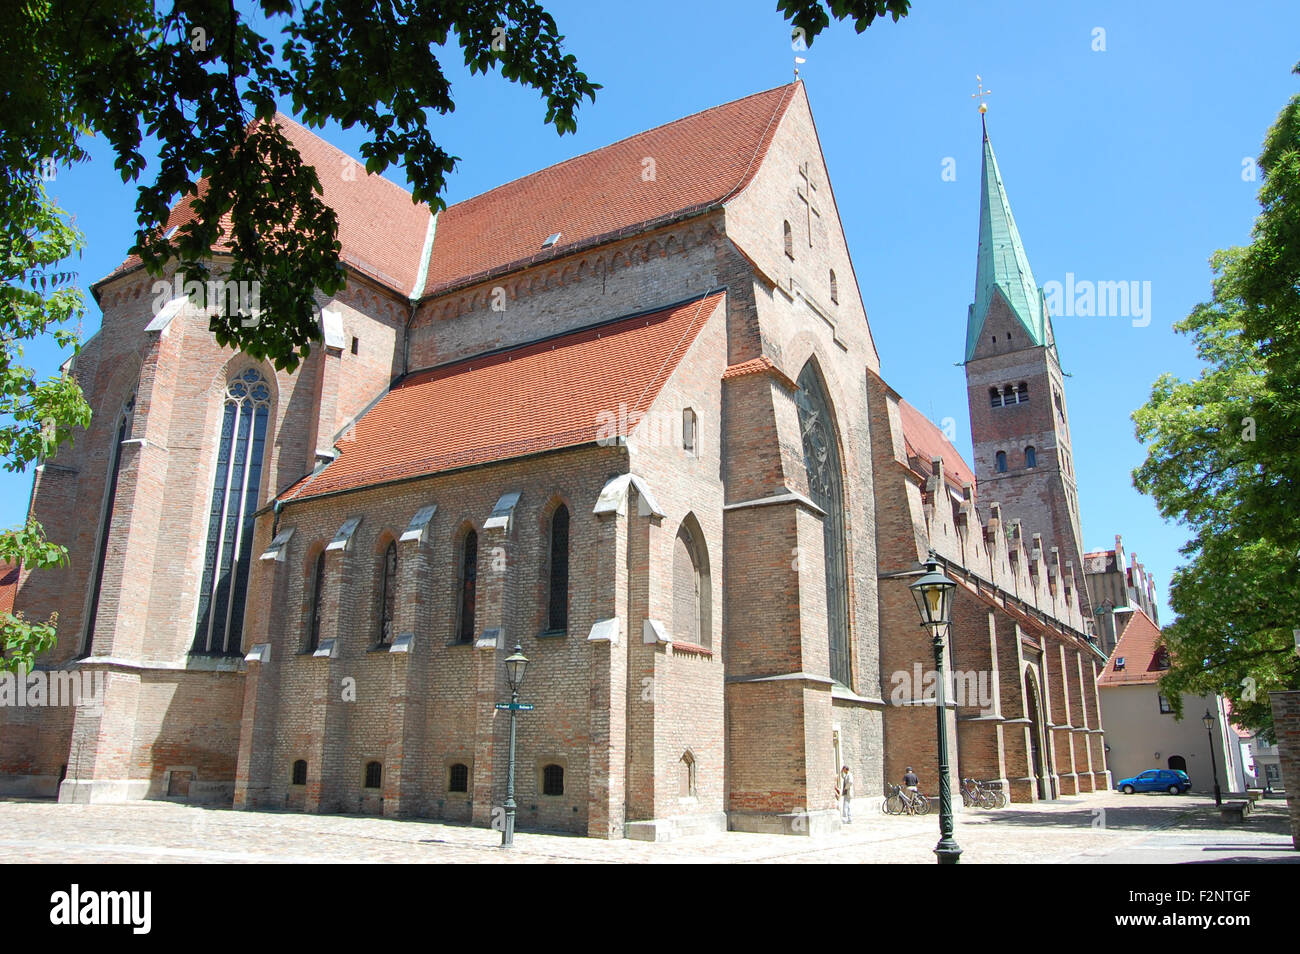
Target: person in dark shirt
<point>910,781</point>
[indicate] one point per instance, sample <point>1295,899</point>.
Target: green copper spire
<point>1002,262</point>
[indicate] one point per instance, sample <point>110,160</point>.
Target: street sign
<point>516,706</point>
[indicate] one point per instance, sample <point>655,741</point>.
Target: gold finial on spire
<point>984,108</point>
<point>797,61</point>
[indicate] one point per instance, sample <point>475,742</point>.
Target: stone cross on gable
<point>807,194</point>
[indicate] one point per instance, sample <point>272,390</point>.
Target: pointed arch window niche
<point>238,478</point>
<point>317,595</point>
<point>826,486</point>
<point>692,589</point>
<point>467,588</point>
<point>123,433</point>
<point>388,596</point>
<point>557,616</point>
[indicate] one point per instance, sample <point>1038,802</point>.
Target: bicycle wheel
<point>893,805</point>
<point>1002,798</point>
<point>986,799</point>
<point>922,804</point>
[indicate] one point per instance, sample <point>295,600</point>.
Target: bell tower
<point>1020,423</point>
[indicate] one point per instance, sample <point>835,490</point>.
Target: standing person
<point>910,781</point>
<point>845,792</point>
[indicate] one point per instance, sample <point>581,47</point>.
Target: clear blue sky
<point>1122,164</point>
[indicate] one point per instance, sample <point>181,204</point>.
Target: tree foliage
<point>1224,459</point>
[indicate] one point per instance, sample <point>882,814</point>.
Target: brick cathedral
<point>625,412</point>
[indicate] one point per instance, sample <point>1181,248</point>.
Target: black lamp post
<point>933,593</point>
<point>516,666</point>
<point>1208,721</point>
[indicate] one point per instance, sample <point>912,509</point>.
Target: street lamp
<point>516,666</point>
<point>933,593</point>
<point>1208,720</point>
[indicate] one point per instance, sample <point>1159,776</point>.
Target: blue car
<point>1156,780</point>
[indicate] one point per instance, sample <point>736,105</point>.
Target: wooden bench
<point>1234,811</point>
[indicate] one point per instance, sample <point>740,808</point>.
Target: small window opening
<point>553,780</point>
<point>458,778</point>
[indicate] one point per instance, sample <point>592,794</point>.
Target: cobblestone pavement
<point>1104,827</point>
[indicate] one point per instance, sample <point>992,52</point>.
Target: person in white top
<point>845,793</point>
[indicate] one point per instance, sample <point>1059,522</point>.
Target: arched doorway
<point>1037,758</point>
<point>1177,763</point>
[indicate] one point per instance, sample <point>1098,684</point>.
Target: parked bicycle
<point>900,801</point>
<point>975,793</point>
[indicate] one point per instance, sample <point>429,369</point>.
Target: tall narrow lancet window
<point>1031,456</point>
<point>788,238</point>
<point>235,485</point>
<point>468,586</point>
<point>826,485</point>
<point>558,611</point>
<point>388,596</point>
<point>317,598</point>
<point>692,591</point>
<point>121,433</point>
<point>835,289</point>
<point>1000,462</point>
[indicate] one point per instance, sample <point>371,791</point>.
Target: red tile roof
<point>381,231</point>
<point>537,397</point>
<point>923,439</point>
<point>698,161</point>
<point>9,575</point>
<point>1137,646</point>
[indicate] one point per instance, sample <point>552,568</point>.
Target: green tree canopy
<point>1224,459</point>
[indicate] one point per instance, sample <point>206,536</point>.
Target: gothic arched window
<point>468,587</point>
<point>788,236</point>
<point>1022,392</point>
<point>835,289</point>
<point>825,483</point>
<point>558,611</point>
<point>317,596</point>
<point>1000,462</point>
<point>121,433</point>
<point>235,485</point>
<point>995,397</point>
<point>1031,456</point>
<point>1008,395</point>
<point>388,595</point>
<point>692,591</point>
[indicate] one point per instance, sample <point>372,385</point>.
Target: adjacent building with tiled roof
<point>625,414</point>
<point>1142,731</point>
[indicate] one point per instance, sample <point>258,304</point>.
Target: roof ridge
<point>616,142</point>
<point>559,335</point>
